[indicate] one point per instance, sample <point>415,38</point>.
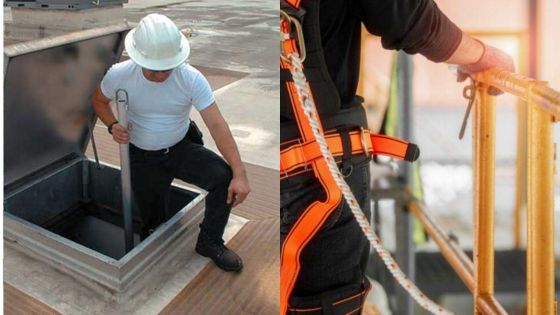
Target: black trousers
<point>153,171</point>
<point>336,257</point>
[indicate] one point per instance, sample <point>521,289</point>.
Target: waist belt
<point>161,152</point>
<point>297,158</point>
<point>353,117</point>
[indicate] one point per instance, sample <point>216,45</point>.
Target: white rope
<point>308,106</point>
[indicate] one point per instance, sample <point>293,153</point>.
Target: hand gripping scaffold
<point>318,151</point>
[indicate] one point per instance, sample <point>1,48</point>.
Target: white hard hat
<point>157,44</point>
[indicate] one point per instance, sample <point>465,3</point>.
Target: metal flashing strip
<point>56,41</point>
<point>63,4</point>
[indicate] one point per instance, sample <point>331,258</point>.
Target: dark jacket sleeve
<point>415,26</point>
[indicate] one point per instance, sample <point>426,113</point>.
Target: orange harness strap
<point>362,142</point>
<point>294,3</point>
<point>315,215</point>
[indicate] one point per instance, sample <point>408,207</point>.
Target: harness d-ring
<point>469,93</point>
<point>364,134</point>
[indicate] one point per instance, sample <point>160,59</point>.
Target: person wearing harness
<point>323,249</point>
<point>164,143</point>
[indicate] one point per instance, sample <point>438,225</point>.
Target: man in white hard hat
<point>164,143</point>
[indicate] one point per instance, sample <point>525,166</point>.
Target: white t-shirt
<point>159,112</point>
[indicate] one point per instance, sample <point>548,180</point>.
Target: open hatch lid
<point>47,96</point>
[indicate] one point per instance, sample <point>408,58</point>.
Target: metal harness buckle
<point>285,36</point>
<point>364,143</point>
<point>306,164</point>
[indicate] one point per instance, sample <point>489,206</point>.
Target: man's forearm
<point>102,108</point>
<point>474,56</point>
<point>221,134</point>
<point>469,51</point>
<point>227,147</point>
<point>239,186</point>
<point>104,113</point>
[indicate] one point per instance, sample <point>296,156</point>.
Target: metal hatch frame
<point>63,4</point>
<point>83,262</point>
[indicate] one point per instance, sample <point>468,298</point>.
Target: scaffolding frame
<point>542,106</point>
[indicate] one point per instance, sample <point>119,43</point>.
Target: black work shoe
<point>223,257</point>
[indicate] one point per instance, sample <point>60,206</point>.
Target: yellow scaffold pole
<point>484,126</point>
<point>520,174</point>
<point>543,106</point>
<point>540,211</point>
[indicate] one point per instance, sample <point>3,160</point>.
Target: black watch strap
<point>110,127</point>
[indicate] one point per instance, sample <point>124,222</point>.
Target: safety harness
<point>320,152</point>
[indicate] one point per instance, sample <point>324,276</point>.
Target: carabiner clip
<point>285,36</point>
<point>469,93</point>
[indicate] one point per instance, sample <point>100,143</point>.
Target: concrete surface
<point>24,24</point>
<point>67,19</point>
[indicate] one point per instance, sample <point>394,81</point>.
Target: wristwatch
<point>110,127</point>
